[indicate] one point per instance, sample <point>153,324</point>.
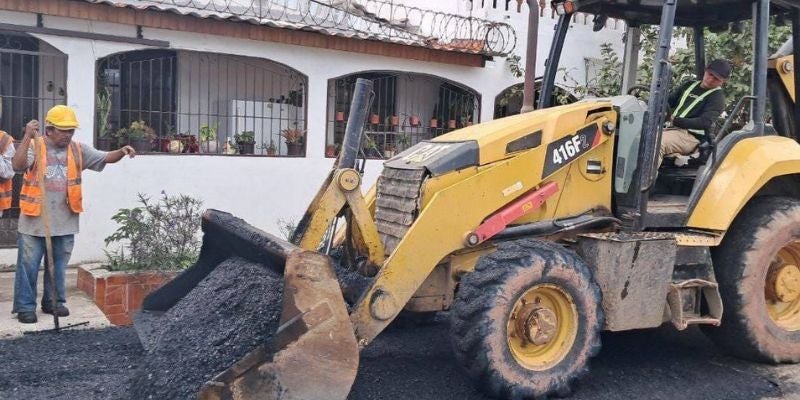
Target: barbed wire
<point>365,19</point>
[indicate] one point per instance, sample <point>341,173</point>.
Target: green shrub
<point>159,235</point>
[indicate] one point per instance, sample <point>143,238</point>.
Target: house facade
<point>222,89</point>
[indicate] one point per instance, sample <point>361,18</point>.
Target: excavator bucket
<point>312,355</point>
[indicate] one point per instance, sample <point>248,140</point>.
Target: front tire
<point>525,323</point>
<point>758,269</point>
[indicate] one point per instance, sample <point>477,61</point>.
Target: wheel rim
<point>542,327</point>
<point>782,288</point>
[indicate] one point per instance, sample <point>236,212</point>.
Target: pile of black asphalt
<point>231,312</point>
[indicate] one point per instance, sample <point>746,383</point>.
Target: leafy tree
<point>735,45</point>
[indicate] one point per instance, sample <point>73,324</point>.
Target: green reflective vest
<point>681,112</point>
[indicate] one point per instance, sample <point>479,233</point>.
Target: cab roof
<point>689,12</point>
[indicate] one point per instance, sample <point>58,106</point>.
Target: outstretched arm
<point>116,155</point>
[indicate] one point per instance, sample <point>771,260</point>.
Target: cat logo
<point>425,152</point>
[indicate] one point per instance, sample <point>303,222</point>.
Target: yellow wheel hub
<point>782,289</point>
<point>542,327</point>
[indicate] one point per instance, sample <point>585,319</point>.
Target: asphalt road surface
<point>413,363</point>
<point>648,364</point>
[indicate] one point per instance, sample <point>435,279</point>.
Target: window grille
<point>33,78</point>
<point>406,108</point>
<point>201,103</point>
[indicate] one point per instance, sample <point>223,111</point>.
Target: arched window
<point>509,101</point>
<point>406,109</point>
<point>193,102</point>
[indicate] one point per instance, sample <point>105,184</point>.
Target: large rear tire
<point>525,323</point>
<point>757,267</point>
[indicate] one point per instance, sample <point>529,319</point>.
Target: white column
<point>631,58</point>
<point>317,92</point>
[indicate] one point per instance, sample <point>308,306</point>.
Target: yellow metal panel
<point>440,229</point>
<point>493,136</point>
<point>751,164</point>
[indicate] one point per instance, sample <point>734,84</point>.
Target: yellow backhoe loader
<point>541,230</point>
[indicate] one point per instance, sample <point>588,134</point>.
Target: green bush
<point>159,235</point>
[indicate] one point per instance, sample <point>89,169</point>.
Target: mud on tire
<point>741,264</point>
<point>486,297</point>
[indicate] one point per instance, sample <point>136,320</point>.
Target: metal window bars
<point>407,108</point>
<point>33,78</point>
<point>196,102</point>
<point>383,20</point>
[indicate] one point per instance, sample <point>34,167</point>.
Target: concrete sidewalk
<point>81,308</point>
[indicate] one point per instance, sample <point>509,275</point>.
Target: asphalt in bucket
<point>232,311</point>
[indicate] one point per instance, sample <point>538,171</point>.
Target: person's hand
<point>128,151</point>
<point>31,129</point>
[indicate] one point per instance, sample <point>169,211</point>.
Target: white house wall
<point>261,190</point>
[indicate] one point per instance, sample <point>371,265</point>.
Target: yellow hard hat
<point>61,117</point>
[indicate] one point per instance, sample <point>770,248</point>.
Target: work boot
<point>27,317</point>
<point>61,310</point>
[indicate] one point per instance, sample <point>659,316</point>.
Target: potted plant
<point>105,141</point>
<point>370,147</point>
<point>403,141</point>
<point>465,121</point>
<point>339,116</point>
<point>331,150</point>
<point>138,135</point>
<point>374,119</point>
<point>395,120</point>
<point>208,138</point>
<point>414,120</point>
<point>246,142</point>
<point>294,140</point>
<point>435,117</point>
<point>389,150</point>
<point>153,243</point>
<point>270,148</point>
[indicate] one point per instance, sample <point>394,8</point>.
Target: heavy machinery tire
<point>527,291</point>
<point>757,267</point>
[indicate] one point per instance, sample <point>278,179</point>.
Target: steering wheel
<point>637,90</point>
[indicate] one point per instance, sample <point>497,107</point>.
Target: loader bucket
<point>312,355</point>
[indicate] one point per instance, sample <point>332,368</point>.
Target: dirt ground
<point>412,363</point>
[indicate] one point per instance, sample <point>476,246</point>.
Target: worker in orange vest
<point>6,171</point>
<point>52,165</point>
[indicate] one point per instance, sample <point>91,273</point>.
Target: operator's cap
<point>720,68</point>
<point>61,117</point>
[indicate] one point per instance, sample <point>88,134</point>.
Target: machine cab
<point>644,196</point>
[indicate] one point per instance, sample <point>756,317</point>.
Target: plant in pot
<point>294,140</point>
<point>389,150</point>
<point>246,142</point>
<point>208,139</point>
<point>413,121</point>
<point>105,140</point>
<point>403,141</point>
<point>138,135</point>
<point>270,148</point>
<point>370,147</point>
<point>331,150</point>
<point>153,242</point>
<point>434,123</point>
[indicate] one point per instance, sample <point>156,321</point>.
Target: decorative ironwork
<point>406,109</point>
<point>193,102</point>
<point>367,19</point>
